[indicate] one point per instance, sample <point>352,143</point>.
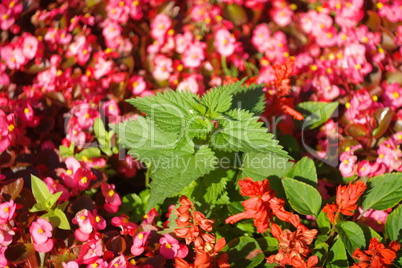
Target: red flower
<point>377,256</point>
<point>346,198</point>
<point>262,205</point>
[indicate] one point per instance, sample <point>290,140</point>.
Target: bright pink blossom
<point>224,42</point>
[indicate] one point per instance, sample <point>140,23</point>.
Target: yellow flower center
<point>97,219</point>
<point>395,95</point>
<point>84,179</point>
<point>26,110</point>
<point>168,245</point>
<point>111,193</point>
<point>11,127</point>
<point>41,231</point>
<point>69,172</point>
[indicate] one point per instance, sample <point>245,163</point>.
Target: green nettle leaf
<point>245,252</point>
<point>351,235</point>
<point>393,225</point>
<point>384,191</point>
<point>316,113</point>
<point>39,190</point>
<point>201,163</point>
<point>169,110</point>
<point>303,198</point>
<point>250,98</point>
<point>262,165</point>
<point>337,257</point>
<point>241,131</point>
<point>215,188</point>
<point>304,171</point>
<point>219,99</point>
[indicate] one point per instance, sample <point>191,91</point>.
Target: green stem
<point>224,65</point>
<point>147,174</point>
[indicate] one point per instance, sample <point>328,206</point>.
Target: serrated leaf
<point>198,127</point>
<point>250,98</point>
<point>199,164</point>
<point>259,166</point>
<point>383,192</point>
<point>316,113</point>
<point>169,110</point>
<point>304,171</point>
<point>39,190</point>
<point>219,99</point>
<point>241,131</point>
<point>351,235</point>
<point>393,225</point>
<point>215,184</point>
<point>337,257</point>
<point>303,198</point>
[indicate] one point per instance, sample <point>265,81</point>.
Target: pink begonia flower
<point>170,247</point>
<point>98,263</point>
<point>159,26</point>
<point>123,221</point>
<point>391,12</point>
<point>86,115</point>
<point>111,110</point>
<point>150,216</point>
<point>313,22</point>
<point>111,32</point>
<point>29,46</point>
<point>112,199</point>
<point>137,84</point>
<point>41,233</point>
<point>281,13</point>
<point>136,10</point>
<point>348,161</point>
<point>14,57</point>
<point>7,18</point>
<point>139,242</point>
<point>224,42</point>
<point>3,259</point>
<point>118,262</point>
<point>6,130</point>
<point>99,222</point>
<point>91,251</point>
<point>102,67</point>
<point>55,187</point>
<point>85,221</point>
<point>81,49</point>
<point>163,67</point>
<point>374,218</point>
<point>7,210</point>
<point>70,264</point>
<point>326,91</point>
<point>6,235</point>
<point>348,13</point>
<point>190,83</point>
<point>4,78</point>
<point>393,95</point>
<point>194,55</point>
<point>183,41</point>
<point>117,12</point>
<point>327,37</point>
<point>27,115</point>
<point>261,36</point>
<point>389,155</point>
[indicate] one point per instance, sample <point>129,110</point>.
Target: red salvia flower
<point>262,205</point>
<point>346,199</point>
<point>377,256</point>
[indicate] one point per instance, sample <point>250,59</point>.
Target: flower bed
<point>245,133</point>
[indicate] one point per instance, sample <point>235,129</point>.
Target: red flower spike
<point>346,199</point>
<point>377,256</point>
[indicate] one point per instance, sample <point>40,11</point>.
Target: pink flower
<point>190,83</point>
<point>194,55</point>
<point>159,26</point>
<point>224,42</point>
<point>85,221</point>
<point>118,262</point>
<point>81,49</point>
<point>7,210</point>
<point>125,224</point>
<point>261,35</point>
<point>374,218</point>
<point>112,199</point>
<point>393,95</point>
<point>183,41</point>
<point>170,247</point>
<point>281,13</point>
<point>91,251</point>
<point>139,243</point>
<point>29,46</point>
<point>137,84</point>
<point>6,235</point>
<point>14,57</point>
<point>55,187</point>
<point>70,264</point>
<point>348,161</point>
<point>41,232</point>
<point>163,67</point>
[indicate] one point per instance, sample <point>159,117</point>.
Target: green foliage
<point>245,252</point>
<point>316,113</point>
<point>184,137</point>
<point>393,225</point>
<point>337,257</point>
<point>304,171</point>
<point>303,198</point>
<point>352,236</point>
<point>384,191</point>
<point>45,201</point>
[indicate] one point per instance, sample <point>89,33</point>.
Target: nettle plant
<point>208,148</point>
